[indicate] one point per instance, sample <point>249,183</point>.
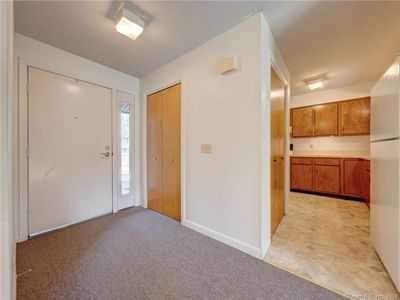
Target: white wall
<point>221,191</point>
<point>32,52</point>
<point>7,242</point>
<point>353,145</point>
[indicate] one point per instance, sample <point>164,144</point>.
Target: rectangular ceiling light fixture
<point>315,84</point>
<point>129,24</point>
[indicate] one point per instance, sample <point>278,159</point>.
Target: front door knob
<point>105,154</point>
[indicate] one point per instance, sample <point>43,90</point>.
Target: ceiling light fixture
<point>315,84</point>
<point>129,24</point>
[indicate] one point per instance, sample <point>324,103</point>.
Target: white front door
<point>70,155</point>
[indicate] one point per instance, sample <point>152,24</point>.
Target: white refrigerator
<point>385,191</point>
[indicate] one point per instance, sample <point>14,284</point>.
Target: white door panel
<point>69,126</point>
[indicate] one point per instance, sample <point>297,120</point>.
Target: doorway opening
<point>323,235</point>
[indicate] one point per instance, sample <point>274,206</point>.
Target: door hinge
<point>28,89</point>
<point>27,153</point>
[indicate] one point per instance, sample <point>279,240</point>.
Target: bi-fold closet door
<point>164,152</point>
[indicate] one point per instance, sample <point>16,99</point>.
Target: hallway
<point>327,241</point>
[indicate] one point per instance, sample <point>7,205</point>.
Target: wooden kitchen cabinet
<point>301,174</point>
<point>327,176</point>
<point>353,177</point>
<point>354,116</point>
<point>326,119</point>
<point>331,175</point>
<point>349,117</point>
<point>366,181</point>
<point>302,121</point>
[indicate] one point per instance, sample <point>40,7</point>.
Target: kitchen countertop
<point>366,157</point>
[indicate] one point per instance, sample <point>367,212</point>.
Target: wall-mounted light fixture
<point>315,84</point>
<point>129,24</point>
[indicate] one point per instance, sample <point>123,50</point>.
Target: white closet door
<point>70,163</point>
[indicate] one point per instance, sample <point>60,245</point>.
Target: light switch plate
<point>206,148</point>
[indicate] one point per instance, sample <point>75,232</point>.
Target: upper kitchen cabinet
<point>349,117</point>
<point>354,116</point>
<point>326,119</point>
<point>302,121</point>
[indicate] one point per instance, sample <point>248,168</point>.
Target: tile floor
<point>326,240</point>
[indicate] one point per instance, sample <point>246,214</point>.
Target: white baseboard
<point>251,250</point>
<point>265,247</point>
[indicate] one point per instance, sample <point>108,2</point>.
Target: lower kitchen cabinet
<point>327,179</point>
<point>301,177</point>
<point>366,182</point>
<point>353,177</point>
<point>337,176</point>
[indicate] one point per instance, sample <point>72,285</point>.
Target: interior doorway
<point>69,151</point>
<point>164,152</point>
<point>277,160</point>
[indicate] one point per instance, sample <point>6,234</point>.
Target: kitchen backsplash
<point>352,145</point>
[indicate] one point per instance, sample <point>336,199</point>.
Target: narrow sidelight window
<point>125,143</point>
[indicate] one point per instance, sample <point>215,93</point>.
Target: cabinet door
<point>302,121</point>
<point>326,119</point>
<point>366,180</point>
<point>301,177</point>
<point>327,179</point>
<point>352,177</point>
<point>355,117</point>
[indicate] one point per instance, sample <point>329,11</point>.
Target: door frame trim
<point>156,88</point>
<point>20,136</point>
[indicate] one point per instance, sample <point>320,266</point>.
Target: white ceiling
<point>346,42</point>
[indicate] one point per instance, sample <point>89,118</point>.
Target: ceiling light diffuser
<point>129,24</point>
<point>315,84</point>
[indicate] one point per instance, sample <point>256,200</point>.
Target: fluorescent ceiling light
<point>129,24</point>
<point>315,84</point>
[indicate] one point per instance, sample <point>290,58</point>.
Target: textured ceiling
<point>345,42</point>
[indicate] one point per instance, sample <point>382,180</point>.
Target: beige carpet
<point>140,254</point>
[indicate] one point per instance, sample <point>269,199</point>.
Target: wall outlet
<point>206,148</point>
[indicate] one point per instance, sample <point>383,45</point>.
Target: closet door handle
<point>276,174</point>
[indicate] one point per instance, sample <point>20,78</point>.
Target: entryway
<point>69,151</point>
<point>164,152</point>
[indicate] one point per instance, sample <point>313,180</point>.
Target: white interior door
<point>70,163</point>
